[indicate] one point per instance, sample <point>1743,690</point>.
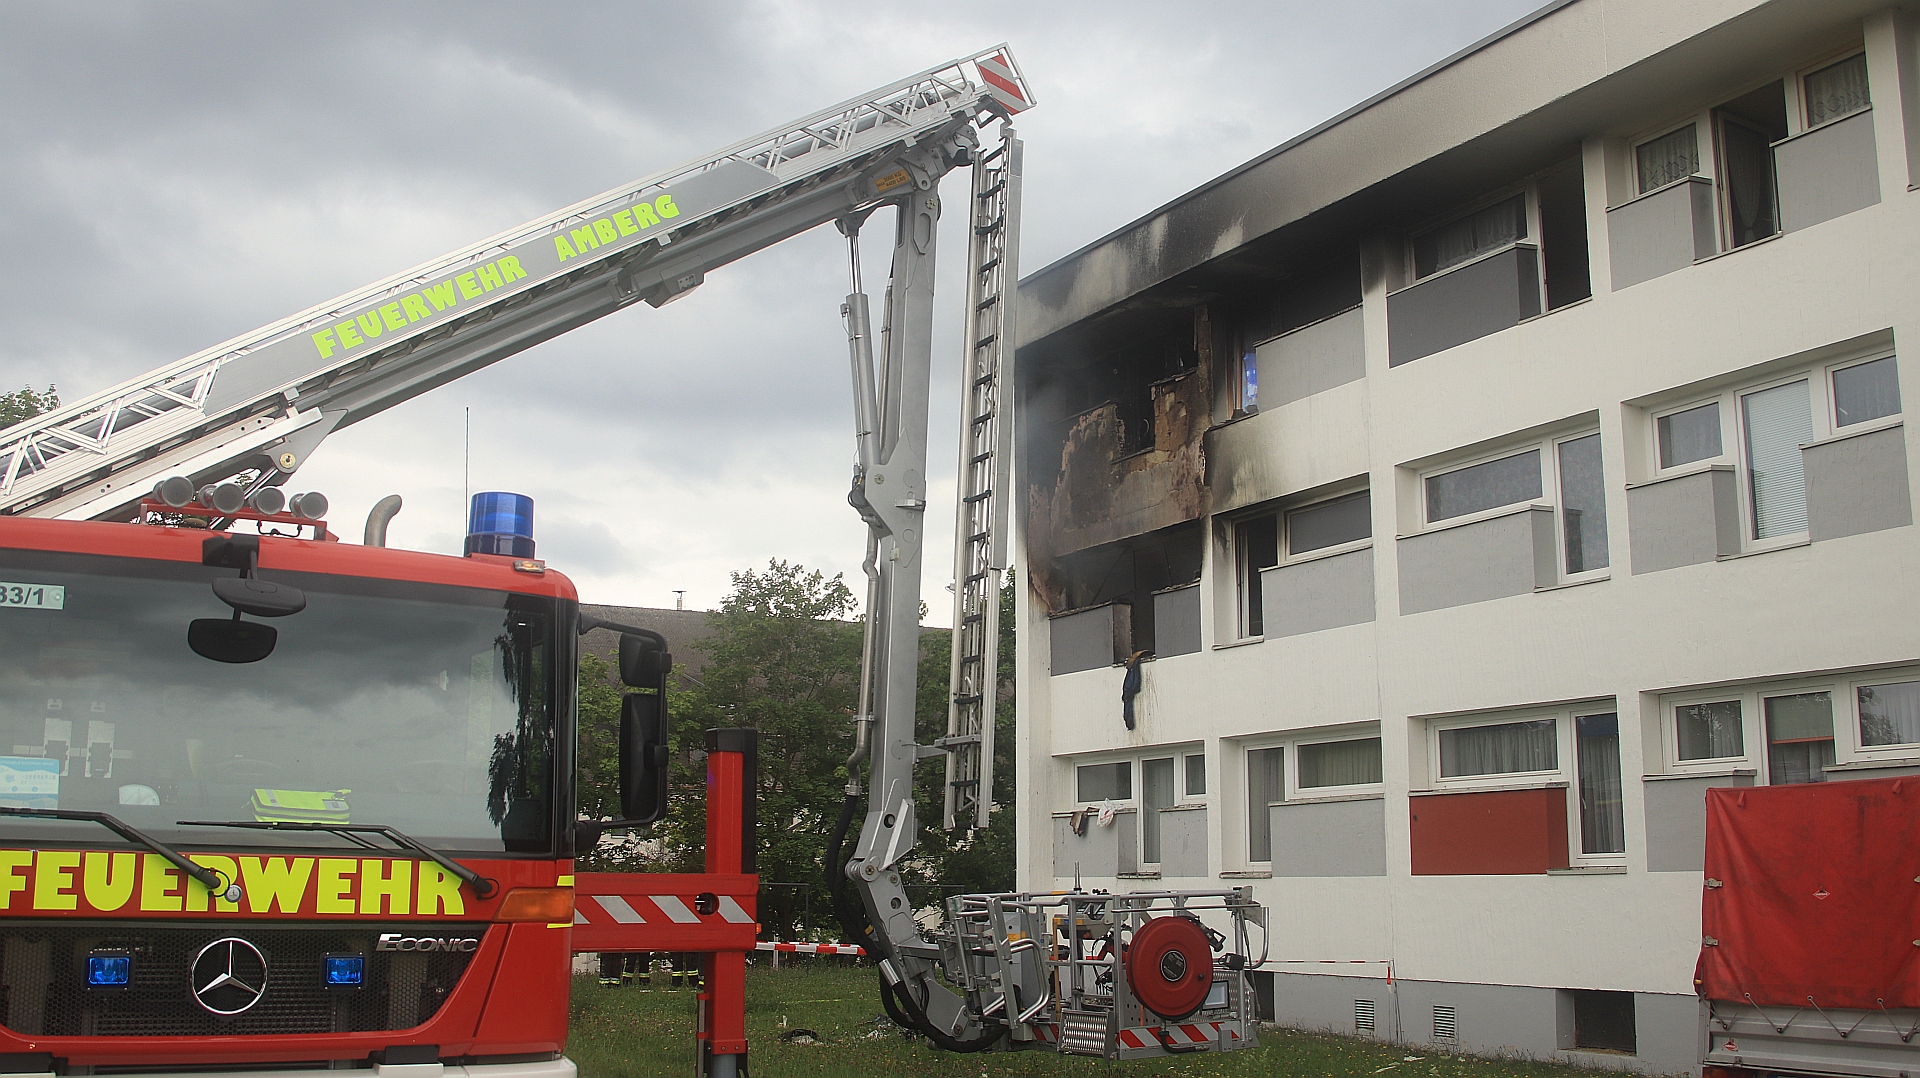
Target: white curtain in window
<point>1709,731</point>
<point>1506,749</point>
<point>1471,236</point>
<point>1340,763</point>
<point>1779,421</point>
<point>1264,787</point>
<point>1156,793</point>
<point>1890,714</point>
<point>1603,826</point>
<point>1670,157</point>
<point>1833,92</point>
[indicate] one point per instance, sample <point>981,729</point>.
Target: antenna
<point>466,471</point>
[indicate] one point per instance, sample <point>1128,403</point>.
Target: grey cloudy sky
<point>174,174</point>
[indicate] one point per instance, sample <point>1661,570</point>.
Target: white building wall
<point>1803,609</point>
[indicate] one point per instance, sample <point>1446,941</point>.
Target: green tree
<point>25,403</point>
<point>780,658</point>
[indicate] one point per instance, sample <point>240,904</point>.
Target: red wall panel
<point>1489,832</point>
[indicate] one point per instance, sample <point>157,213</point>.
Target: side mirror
<point>643,758</point>
<point>644,664</point>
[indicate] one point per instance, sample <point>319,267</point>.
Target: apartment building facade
<point>1472,482</point>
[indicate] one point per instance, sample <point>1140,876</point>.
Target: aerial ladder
<point>252,410</point>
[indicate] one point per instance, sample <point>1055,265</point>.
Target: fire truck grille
<point>44,990</point>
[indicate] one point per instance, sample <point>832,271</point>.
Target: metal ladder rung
<point>990,227</point>
<point>990,264</point>
<point>987,340</point>
<point>983,458</point>
<point>984,417</point>
<point>980,497</point>
<point>988,302</point>
<point>999,186</point>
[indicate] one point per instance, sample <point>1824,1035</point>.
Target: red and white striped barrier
<point>812,948</point>
<point>1178,1034</point>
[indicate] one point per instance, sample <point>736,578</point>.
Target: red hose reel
<point>1169,966</point>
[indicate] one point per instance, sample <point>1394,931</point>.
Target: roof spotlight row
<point>178,493</point>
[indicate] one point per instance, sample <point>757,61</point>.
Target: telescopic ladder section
<point>267,398</point>
<point>980,518</point>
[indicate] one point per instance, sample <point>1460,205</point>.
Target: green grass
<point>636,1033</point>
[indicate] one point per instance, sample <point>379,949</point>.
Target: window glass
<point>1583,504</point>
<point>1471,236</point>
<point>1196,775</point>
<point>1836,91</point>
<point>1264,787</point>
<point>1865,391</point>
<point>1504,749</point>
<point>1690,435</point>
<point>1106,782</point>
<point>1779,421</point>
<point>1484,486</point>
<point>1799,737</point>
<point>1340,763</point>
<point>1890,714</point>
<point>1156,793</point>
<point>1250,381</point>
<point>1746,157</point>
<point>1710,731</point>
<point>1603,824</point>
<point>1343,520</point>
<point>1670,157</point>
<point>1256,546</point>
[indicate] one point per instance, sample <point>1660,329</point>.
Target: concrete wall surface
<point>1463,304</point>
<point>1661,231</point>
<point>1684,520</point>
<point>1676,807</point>
<point>1858,484</point>
<point>1321,593</point>
<point>1510,554</point>
<point>1330,838</point>
<point>1183,841</point>
<point>1827,171</point>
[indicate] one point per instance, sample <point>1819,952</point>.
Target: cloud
<point>178,173</point>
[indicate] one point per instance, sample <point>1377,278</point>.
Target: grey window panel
<point>1690,435</point>
<point>1312,359</point>
<point>1463,305</point>
<point>1101,852</point>
<point>1475,489</point>
<point>1778,422</point>
<point>1090,639</point>
<point>1583,504</point>
<point>1322,593</point>
<point>1827,172</point>
<point>1176,621</point>
<point>1342,520</point>
<point>1330,838</point>
<point>1858,484</point>
<point>1196,774</point>
<point>1183,842</point>
<point>1866,391</point>
<point>1677,820</point>
<point>1661,232</point>
<point>1472,563</point>
<point>1683,521</point>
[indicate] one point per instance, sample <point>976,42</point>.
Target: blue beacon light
<point>109,970</point>
<point>500,523</point>
<point>345,971</point>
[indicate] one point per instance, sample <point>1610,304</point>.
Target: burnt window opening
<point>1127,573</point>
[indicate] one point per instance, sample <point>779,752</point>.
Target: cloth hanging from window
<point>1130,687</point>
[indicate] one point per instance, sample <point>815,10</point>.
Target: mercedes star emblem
<point>229,976</point>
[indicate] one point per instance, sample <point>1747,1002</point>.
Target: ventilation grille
<point>43,989</point>
<point>1446,1023</point>
<point>1363,1015</point>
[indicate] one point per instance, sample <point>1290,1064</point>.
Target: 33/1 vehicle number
<point>33,596</point>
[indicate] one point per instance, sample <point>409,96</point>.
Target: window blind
<point>1505,749</point>
<point>1779,421</point>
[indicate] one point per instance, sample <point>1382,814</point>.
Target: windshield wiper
<point>208,878</point>
<point>482,886</point>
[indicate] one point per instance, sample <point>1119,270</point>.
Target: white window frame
<point>1797,122</point>
<point>1234,839</point>
<point>1566,774</point>
<point>1138,758</point>
<point>1549,449</point>
<point>1733,431</point>
<point>1296,792</point>
<point>1842,690</point>
<point>1282,541</point>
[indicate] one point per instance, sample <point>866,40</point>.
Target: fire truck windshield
<point>427,708</point>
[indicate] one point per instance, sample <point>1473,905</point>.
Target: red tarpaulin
<point>1818,895</point>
